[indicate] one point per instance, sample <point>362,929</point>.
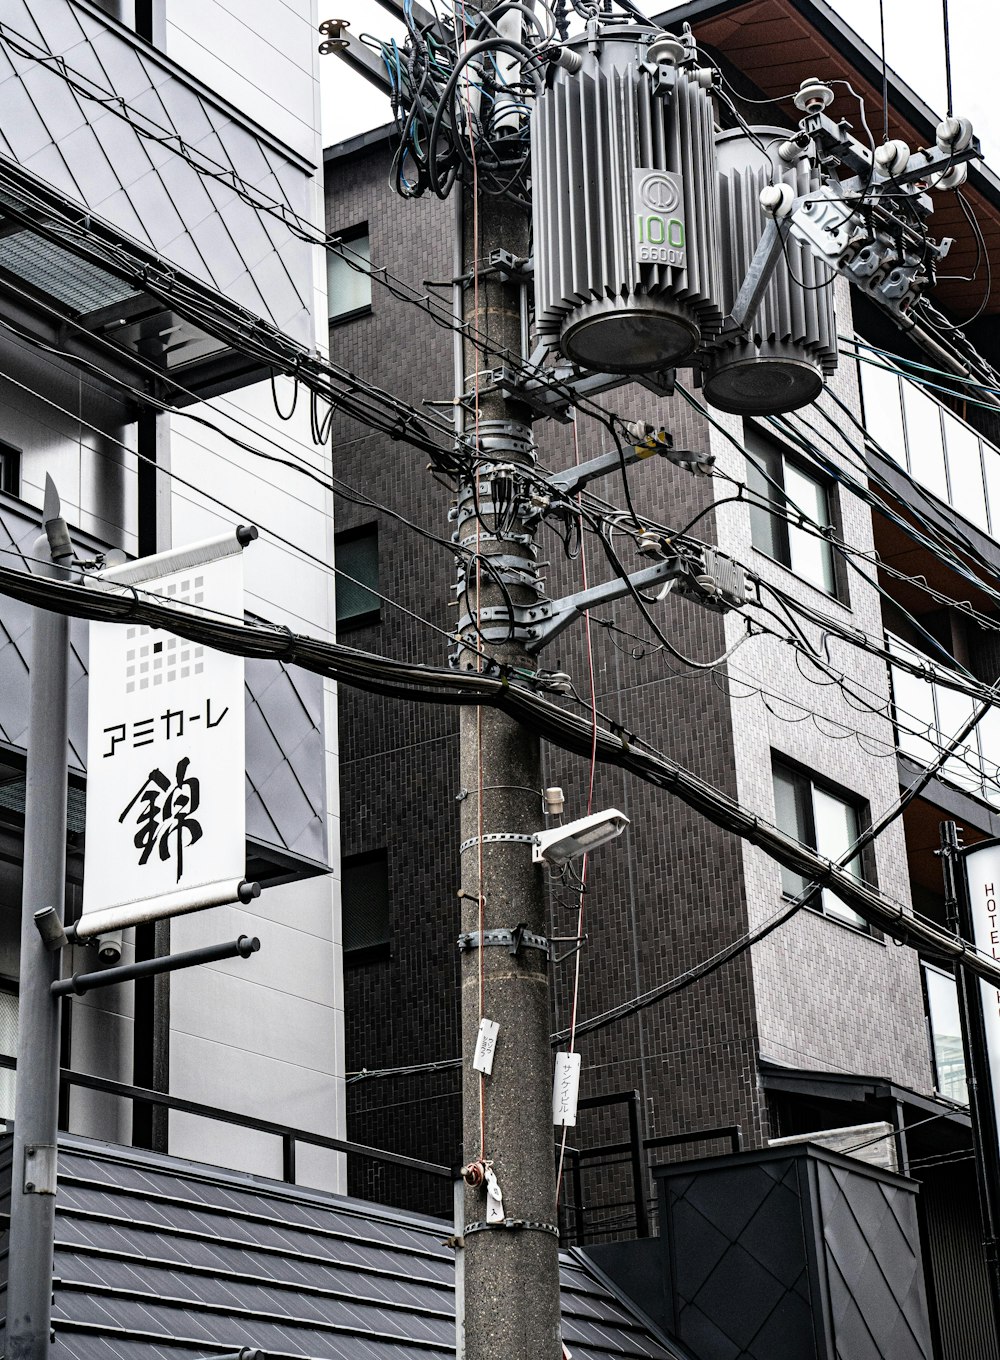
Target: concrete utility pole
<point>511,1267</point>
<point>36,1106</point>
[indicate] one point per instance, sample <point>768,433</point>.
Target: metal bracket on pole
<point>559,614</point>
<point>50,927</point>
<point>762,267</point>
<point>40,1168</point>
<point>701,573</point>
<point>521,1224</point>
<point>498,837</point>
<point>81,983</point>
<point>512,940</point>
<point>552,393</point>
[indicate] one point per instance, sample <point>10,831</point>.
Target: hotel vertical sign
<point>982,868</point>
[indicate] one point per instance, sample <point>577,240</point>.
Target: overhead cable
<point>567,730</point>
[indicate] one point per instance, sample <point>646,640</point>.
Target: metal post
<point>511,1269</point>
<point>638,1169</point>
<point>981,1114</point>
<point>458,1215</point>
<point>36,1108</point>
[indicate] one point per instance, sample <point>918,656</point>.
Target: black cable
<point>885,73</point>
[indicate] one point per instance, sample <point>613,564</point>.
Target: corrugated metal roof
<point>158,1259</point>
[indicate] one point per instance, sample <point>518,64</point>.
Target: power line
<point>566,730</point>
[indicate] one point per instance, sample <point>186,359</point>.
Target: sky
<point>914,49</point>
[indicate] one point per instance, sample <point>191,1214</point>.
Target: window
<point>145,17</point>
<point>356,560</point>
<point>364,897</point>
<point>826,821</point>
<point>10,470</point>
<point>776,478</point>
<point>942,452</point>
<point>944,1029</point>
<point>349,289</point>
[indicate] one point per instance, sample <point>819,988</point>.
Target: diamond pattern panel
<point>745,1260</point>
<point>157,168</point>
<point>873,1266</point>
<point>739,1265</point>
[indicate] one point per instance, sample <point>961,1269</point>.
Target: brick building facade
<point>823,1024</point>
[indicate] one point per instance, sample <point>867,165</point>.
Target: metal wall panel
<point>142,168</point>
<point>954,1238</point>
<point>793,1254</point>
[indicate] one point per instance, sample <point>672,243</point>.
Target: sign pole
<point>972,904</point>
<point>36,1112</point>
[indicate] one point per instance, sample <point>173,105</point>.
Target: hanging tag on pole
<point>494,1198</point>
<point>565,1090</point>
<point>486,1046</point>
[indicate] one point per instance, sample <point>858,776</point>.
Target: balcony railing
<point>941,452</point>
<point>929,712</point>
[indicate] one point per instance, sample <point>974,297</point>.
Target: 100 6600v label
<point>658,217</point>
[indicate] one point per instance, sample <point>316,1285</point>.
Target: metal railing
<point>633,1152</point>
<point>290,1137</point>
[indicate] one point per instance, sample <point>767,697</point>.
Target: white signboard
<point>982,869</point>
<point>565,1089</point>
<point>165,742</point>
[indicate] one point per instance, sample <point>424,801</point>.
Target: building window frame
<point>10,469</point>
<point>372,950</point>
<point>335,263</point>
<point>347,582</point>
<point>807,555</point>
<point>942,1087</point>
<point>809,793</point>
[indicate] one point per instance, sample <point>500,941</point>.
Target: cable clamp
<point>498,837</point>
<point>512,940</point>
<point>517,1224</point>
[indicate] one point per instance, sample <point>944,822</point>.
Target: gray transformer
<point>791,344</point>
<point>625,205</point>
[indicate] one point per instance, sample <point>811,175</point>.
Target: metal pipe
<point>160,908</point>
<point>638,1170</point>
<point>80,983</point>
<point>33,1173</point>
<point>458,1212</point>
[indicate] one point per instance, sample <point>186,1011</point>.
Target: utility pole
<point>511,1268</point>
<point>36,1109</point>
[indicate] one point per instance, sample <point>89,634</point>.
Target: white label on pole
<point>486,1046</point>
<point>494,1198</point>
<point>166,748</point>
<point>982,868</point>
<point>565,1090</point>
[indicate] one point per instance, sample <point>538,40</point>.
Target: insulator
<point>625,206</point>
<point>791,343</point>
<point>892,158</point>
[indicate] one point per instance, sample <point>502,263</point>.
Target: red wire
<point>590,805</point>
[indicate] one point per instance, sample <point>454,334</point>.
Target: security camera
<point>565,843</point>
<point>109,947</point>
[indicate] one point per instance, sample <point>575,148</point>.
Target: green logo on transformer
<point>658,217</point>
